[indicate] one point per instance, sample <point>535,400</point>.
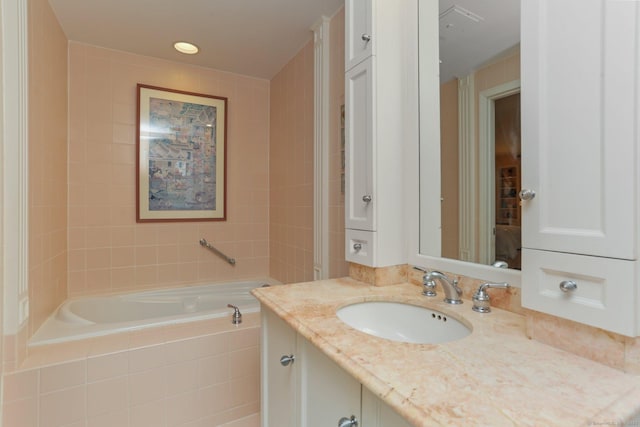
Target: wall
<point>291,170</point>
<point>47,163</point>
<point>338,267</point>
<point>108,250</point>
<point>449,168</point>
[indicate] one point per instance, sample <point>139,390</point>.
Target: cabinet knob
<point>366,37</point>
<point>348,422</point>
<point>366,198</point>
<point>287,360</point>
<point>526,194</point>
<point>357,246</point>
<point>568,286</point>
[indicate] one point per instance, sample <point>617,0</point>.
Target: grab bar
<point>209,246</point>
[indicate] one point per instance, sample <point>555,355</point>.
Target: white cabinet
<point>580,85</point>
<point>278,382</point>
<point>359,155</point>
<point>359,40</point>
<point>328,393</point>
<point>311,390</point>
<point>375,91</point>
<point>375,413</point>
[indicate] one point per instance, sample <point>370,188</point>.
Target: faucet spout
<point>452,293</point>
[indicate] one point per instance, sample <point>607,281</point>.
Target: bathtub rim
<point>42,337</point>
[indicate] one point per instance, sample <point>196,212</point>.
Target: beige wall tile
<point>21,385</point>
<point>58,377</point>
<point>102,125</point>
<point>63,407</point>
<point>107,396</point>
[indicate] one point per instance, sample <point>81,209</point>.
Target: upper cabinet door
<point>359,38</point>
<point>580,84</point>
<point>359,151</point>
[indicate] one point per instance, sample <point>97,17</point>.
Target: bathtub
<point>94,316</point>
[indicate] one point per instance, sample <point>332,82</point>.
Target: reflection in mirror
<point>507,215</point>
<point>480,132</point>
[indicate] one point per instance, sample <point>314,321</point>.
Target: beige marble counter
<point>493,377</point>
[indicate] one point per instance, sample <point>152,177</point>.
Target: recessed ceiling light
<point>185,47</point>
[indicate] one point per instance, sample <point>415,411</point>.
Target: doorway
<point>500,172</point>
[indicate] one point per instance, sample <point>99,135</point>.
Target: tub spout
<point>236,317</point>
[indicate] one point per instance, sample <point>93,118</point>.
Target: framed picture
<point>181,168</point>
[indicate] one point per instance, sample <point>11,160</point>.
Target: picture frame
<point>181,155</point>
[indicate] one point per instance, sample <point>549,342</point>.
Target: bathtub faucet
<point>236,317</point>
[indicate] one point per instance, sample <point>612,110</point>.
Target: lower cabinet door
<point>278,392</point>
<point>376,413</point>
<point>328,394</point>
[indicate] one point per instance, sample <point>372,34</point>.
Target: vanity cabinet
<point>375,86</point>
<point>307,389</point>
<point>580,86</point>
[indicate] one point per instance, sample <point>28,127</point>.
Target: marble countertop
<point>493,377</point>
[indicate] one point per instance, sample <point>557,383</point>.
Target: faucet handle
<point>429,288</point>
<point>482,300</point>
<point>428,284</point>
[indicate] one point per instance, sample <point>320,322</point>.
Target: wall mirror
<point>469,151</point>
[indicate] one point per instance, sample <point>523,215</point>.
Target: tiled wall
<point>47,162</point>
<point>108,250</point>
<point>291,170</point>
<point>338,267</point>
<point>202,374</point>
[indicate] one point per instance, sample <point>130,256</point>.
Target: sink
<point>398,321</point>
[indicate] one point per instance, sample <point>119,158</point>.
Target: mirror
<point>478,145</point>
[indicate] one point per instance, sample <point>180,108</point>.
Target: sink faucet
<point>452,292</point>
<point>481,299</point>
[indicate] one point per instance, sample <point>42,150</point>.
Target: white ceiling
<point>258,37</point>
<point>473,32</point>
<point>250,37</point>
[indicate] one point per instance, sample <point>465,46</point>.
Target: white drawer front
<point>604,296</point>
<point>360,247</point>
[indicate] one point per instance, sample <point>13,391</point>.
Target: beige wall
<point>108,250</point>
<point>291,170</point>
<point>449,168</point>
<point>47,163</point>
<point>338,267</point>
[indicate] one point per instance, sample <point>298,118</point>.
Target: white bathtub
<point>94,316</point>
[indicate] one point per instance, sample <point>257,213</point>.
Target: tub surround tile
<point>20,413</point>
<point>493,377</point>
<point>21,385</point>
<point>108,366</point>
<point>58,377</point>
<point>170,377</point>
<point>63,407</point>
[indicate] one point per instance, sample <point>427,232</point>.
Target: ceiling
<point>258,37</point>
<point>474,32</point>
<point>250,37</point>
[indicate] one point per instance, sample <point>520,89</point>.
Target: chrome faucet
<point>428,285</point>
<point>481,299</point>
<point>452,292</point>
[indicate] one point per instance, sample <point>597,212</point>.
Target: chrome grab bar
<point>203,242</point>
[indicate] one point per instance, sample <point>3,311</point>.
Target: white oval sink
<point>402,322</point>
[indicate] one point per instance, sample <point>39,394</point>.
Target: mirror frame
<point>423,136</point>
